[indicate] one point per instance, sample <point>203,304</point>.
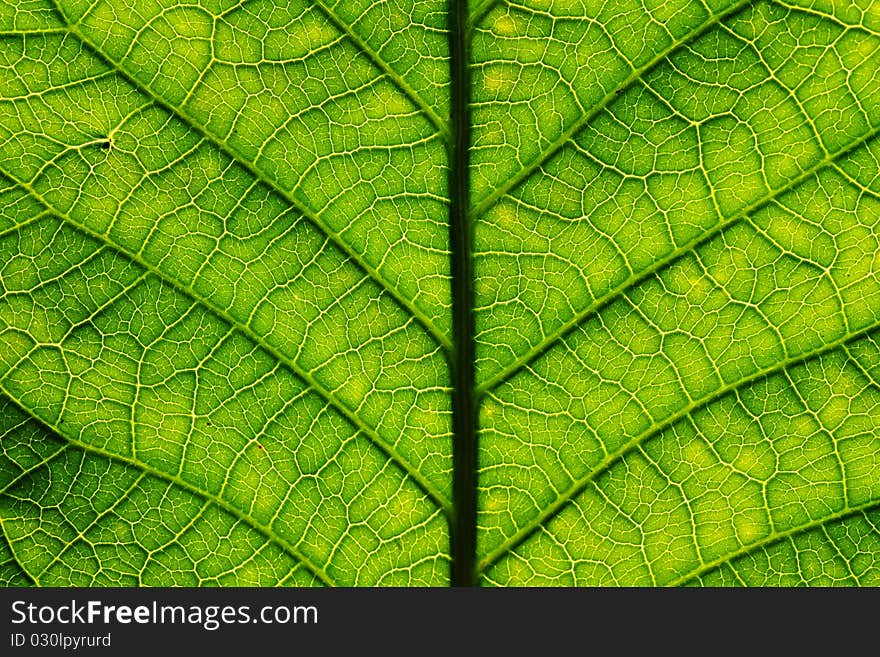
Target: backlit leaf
<point>240,284</point>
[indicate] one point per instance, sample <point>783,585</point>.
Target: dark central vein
<point>463,532</point>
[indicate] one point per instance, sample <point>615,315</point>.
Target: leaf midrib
<point>465,406</point>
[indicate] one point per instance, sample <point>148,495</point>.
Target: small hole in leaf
<point>106,144</point>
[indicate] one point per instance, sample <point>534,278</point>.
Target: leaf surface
<point>230,352</point>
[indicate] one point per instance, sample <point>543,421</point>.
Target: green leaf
<point>551,292</point>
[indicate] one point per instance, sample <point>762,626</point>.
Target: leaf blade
<point>225,307</point>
